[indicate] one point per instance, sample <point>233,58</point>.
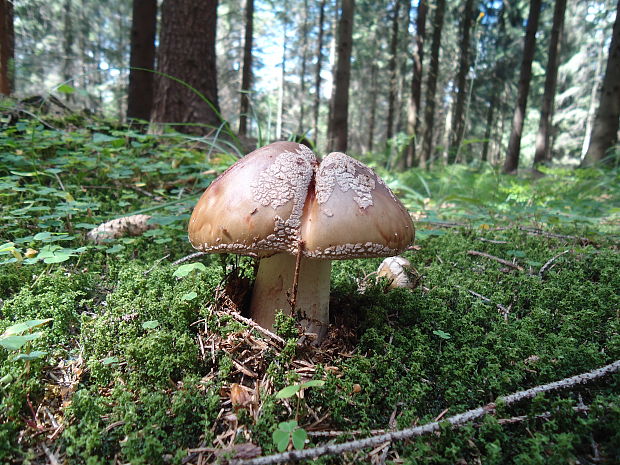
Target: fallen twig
<point>256,326</point>
<point>497,259</point>
<point>547,266</point>
<point>456,421</point>
<point>505,311</point>
<point>188,257</point>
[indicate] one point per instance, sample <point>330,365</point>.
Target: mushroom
<point>394,269</point>
<point>280,205</point>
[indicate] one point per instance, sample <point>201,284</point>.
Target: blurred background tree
<point>431,81</point>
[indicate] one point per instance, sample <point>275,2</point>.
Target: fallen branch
<point>547,266</point>
<point>497,259</point>
<point>455,421</point>
<point>256,326</point>
<point>189,257</point>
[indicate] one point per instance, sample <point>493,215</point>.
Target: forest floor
<point>120,353</point>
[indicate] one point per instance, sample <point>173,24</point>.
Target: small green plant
<point>19,336</point>
<point>287,432</point>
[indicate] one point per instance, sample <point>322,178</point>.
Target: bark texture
<point>246,74</point>
<point>143,28</point>
<point>605,129</point>
<point>458,120</point>
<point>7,47</point>
<point>429,110</point>
<point>317,74</point>
<point>339,114</point>
<point>187,53</point>
<point>413,120</point>
<point>392,72</point>
<point>514,145</point>
<point>543,149</point>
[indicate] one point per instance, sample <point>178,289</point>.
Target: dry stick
<point>293,299</point>
<point>456,420</point>
<point>505,310</point>
<point>546,266</point>
<point>497,259</point>
<point>189,257</point>
<point>256,326</point>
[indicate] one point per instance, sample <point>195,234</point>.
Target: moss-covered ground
<point>142,364</point>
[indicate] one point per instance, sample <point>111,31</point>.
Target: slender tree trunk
<point>514,145</point>
<point>280,115</point>
<point>246,74</point>
<point>7,47</point>
<point>605,129</point>
<point>302,76</point>
<point>488,127</point>
<point>373,105</point>
<point>338,131</point>
<point>317,74</point>
<point>429,110</point>
<point>392,72</point>
<point>143,27</point>
<point>458,117</point>
<point>596,84</point>
<point>543,148</point>
<point>68,40</point>
<point>413,120</point>
<point>187,52</point>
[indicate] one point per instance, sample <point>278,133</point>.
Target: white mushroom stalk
<point>279,202</point>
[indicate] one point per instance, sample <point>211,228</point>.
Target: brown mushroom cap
<point>255,207</point>
<point>353,214</point>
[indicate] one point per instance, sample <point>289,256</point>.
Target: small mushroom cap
<point>352,213</point>
<point>255,207</point>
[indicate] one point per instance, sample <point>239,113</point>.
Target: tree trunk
<point>488,127</point>
<point>596,84</point>
<point>529,47</point>
<point>413,120</point>
<point>302,75</point>
<point>279,116</point>
<point>429,110</point>
<point>187,53</point>
<point>246,74</point>
<point>143,27</point>
<point>458,118</point>
<point>605,129</point>
<point>373,105</point>
<point>543,149</point>
<point>317,74</point>
<point>338,121</point>
<point>392,72</point>
<point>68,40</point>
<point>7,47</point>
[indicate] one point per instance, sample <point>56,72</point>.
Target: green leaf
<point>115,249</point>
<point>24,326</point>
<point>184,270</point>
<point>152,324</point>
<point>312,383</point>
<point>442,334</point>
<point>299,437</point>
<point>110,360</point>
<point>280,439</point>
<point>65,89</point>
<point>99,137</point>
<point>58,258</point>
<point>34,355</point>
<point>13,342</point>
<point>189,296</point>
<point>288,391</point>
<point>288,426</point>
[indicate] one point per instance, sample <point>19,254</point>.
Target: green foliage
<point>289,432</point>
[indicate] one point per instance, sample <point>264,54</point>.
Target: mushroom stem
<point>275,279</point>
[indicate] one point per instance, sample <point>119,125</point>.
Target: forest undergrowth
<point>120,352</point>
